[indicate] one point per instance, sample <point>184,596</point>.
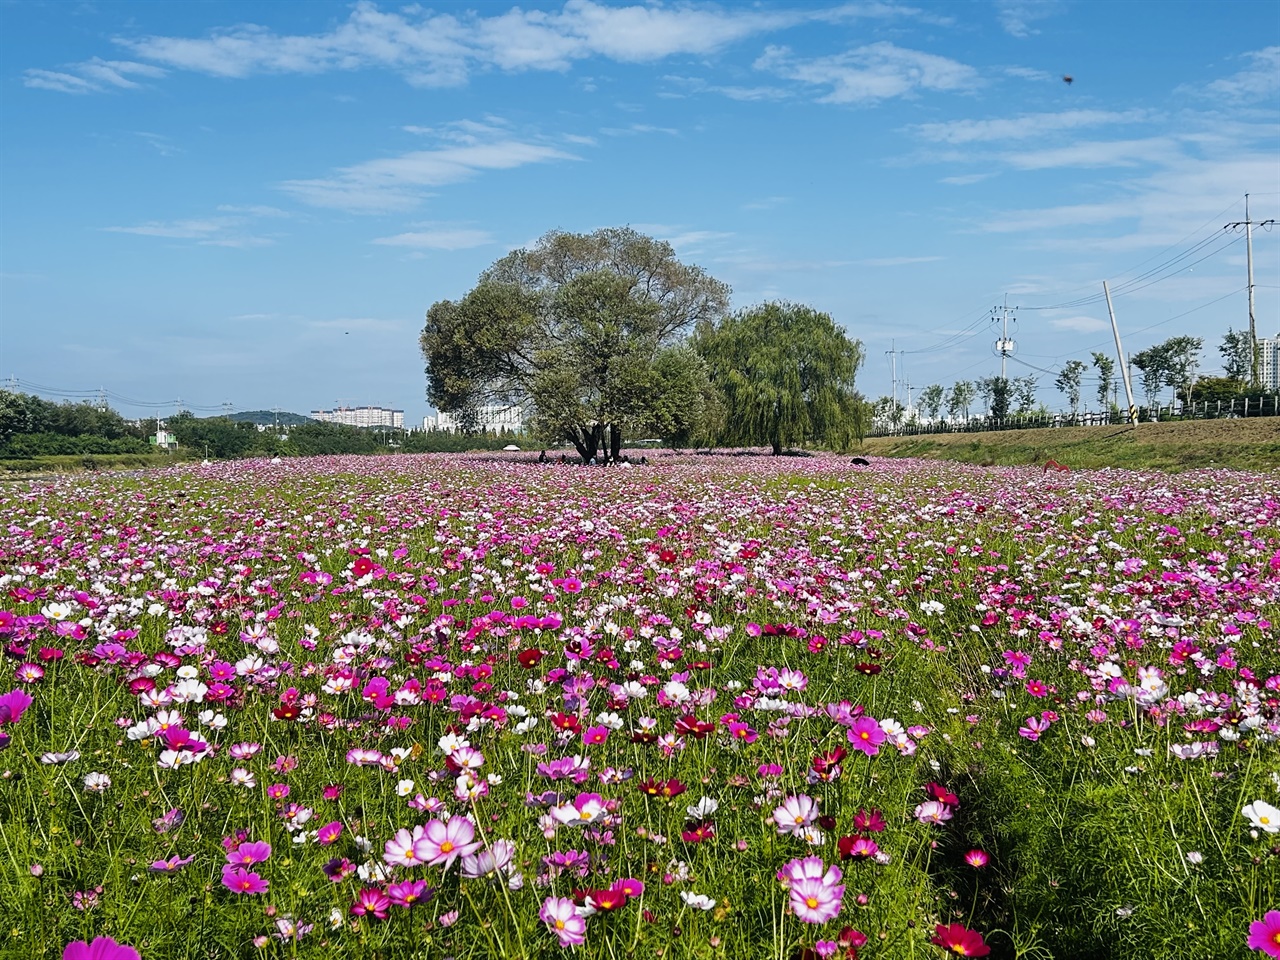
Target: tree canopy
<point>588,329</point>
<point>786,372</point>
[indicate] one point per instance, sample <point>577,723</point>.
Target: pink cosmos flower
<point>1264,934</point>
<point>328,833</point>
<point>956,938</point>
<point>406,849</point>
<point>102,948</point>
<point>240,880</point>
<point>931,811</point>
<point>865,735</point>
<point>172,865</point>
<point>816,902</point>
<point>488,862</point>
<point>561,917</point>
<point>977,858</point>
<point>1032,729</point>
<point>446,840</point>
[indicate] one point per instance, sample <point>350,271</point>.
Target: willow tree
<point>786,372</point>
<point>586,329</point>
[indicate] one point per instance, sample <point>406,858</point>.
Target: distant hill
<point>284,418</point>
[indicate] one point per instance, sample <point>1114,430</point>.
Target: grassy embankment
<point>83,463</point>
<point>1239,444</point>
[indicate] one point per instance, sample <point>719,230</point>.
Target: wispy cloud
<point>1259,81</point>
<point>871,73</point>
<point>767,203</point>
<point>438,237</point>
<point>401,182</point>
<point>1100,153</point>
<point>897,261</point>
<point>1079,324</point>
<point>163,145</point>
<point>1023,127</point>
<point>637,129</point>
<point>92,76</point>
<point>435,49</point>
<point>966,179</point>
<point>232,229</point>
<point>1018,16</point>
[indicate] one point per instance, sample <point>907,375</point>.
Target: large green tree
<point>786,372</point>
<point>587,329</point>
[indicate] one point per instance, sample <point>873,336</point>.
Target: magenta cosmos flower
<point>1264,934</point>
<point>102,948</point>
<point>248,853</point>
<point>561,917</point>
<point>12,705</point>
<point>865,735</point>
<point>240,880</point>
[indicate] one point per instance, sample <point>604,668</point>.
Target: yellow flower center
<point>811,902</point>
<point>559,924</point>
<point>446,847</point>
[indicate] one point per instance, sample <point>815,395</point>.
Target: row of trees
<point>1171,364</point>
<point>31,426</point>
<point>608,334</point>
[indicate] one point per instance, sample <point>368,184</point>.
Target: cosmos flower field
<point>712,707</point>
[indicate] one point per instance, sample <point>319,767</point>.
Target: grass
<point>82,463</point>
<point>1187,445</point>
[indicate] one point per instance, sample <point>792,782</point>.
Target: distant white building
<point>361,416</point>
<point>1269,362</point>
<point>494,417</point>
<point>164,440</point>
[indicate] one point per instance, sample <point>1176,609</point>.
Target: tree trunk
<point>586,441</point>
<point>777,446</point>
<point>615,442</point>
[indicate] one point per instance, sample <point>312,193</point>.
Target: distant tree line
<point>33,427</point>
<point>1172,365</point>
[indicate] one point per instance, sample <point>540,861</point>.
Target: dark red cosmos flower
<point>667,556</point>
<point>690,725</point>
<point>287,712</point>
<point>529,658</point>
<point>856,848</point>
<point>702,831</point>
<point>869,669</point>
<point>826,821</point>
<point>665,789</point>
<point>958,939</point>
<point>942,794</point>
<point>823,762</point>
<point>566,721</point>
<point>362,567</point>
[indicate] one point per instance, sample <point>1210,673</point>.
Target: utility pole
<point>1248,225</point>
<point>893,366</point>
<point>1124,366</point>
<point>1004,346</point>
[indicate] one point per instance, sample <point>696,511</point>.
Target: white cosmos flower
<point>96,782</point>
<point>1263,816</point>
<point>698,901</point>
<point>703,809</point>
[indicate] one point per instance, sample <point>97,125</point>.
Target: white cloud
<point>1259,81</point>
<point>221,231</point>
<point>398,183</point>
<point>871,73</point>
<point>1079,324</point>
<point>638,128</point>
<point>91,76</point>
<point>1029,73</point>
<point>966,179</point>
<point>445,238</point>
<point>897,261</point>
<point>1103,153</point>
<point>1017,16</point>
<point>1022,127</point>
<point>435,49</point>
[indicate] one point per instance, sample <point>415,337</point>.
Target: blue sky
<point>256,203</point>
